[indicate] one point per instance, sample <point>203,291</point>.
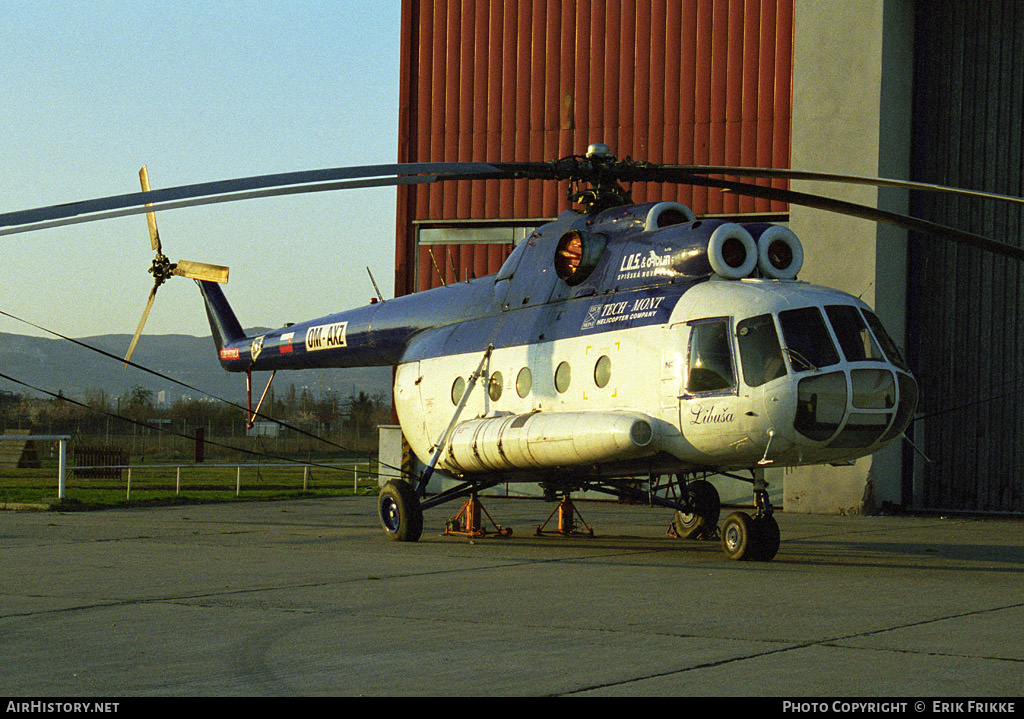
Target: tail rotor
<point>163,269</point>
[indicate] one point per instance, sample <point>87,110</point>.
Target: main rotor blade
<point>142,322</point>
<point>863,211</point>
<point>201,271</point>
<point>154,236</point>
<point>241,189</point>
<point>577,169</point>
<point>784,174</point>
<point>257,194</point>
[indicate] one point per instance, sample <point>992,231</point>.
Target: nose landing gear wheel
<point>737,531</point>
<point>768,538</point>
<point>749,538</point>
<point>400,512</point>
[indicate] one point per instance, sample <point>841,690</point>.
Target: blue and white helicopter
<point>626,349</point>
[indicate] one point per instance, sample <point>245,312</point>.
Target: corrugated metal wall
<point>966,322</point>
<point>673,81</point>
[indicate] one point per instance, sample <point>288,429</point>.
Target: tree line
<point>353,419</point>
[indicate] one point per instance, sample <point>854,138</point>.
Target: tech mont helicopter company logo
<point>628,311</point>
<point>326,337</point>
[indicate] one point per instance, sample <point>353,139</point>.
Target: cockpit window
<point>710,366</point>
<point>808,343</point>
<point>854,338</point>
<point>760,353</point>
<point>890,348</point>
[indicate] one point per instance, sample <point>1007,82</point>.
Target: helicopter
<point>627,349</point>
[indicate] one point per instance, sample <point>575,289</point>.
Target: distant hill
<point>60,366</point>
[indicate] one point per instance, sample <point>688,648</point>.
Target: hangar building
<point>929,91</point>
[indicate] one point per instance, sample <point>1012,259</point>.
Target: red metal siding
<point>671,81</point>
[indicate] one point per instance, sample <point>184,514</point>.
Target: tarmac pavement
<point>308,597</point>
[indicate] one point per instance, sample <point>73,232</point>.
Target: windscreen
<point>854,338</point>
<point>808,343</point>
<point>895,356</point>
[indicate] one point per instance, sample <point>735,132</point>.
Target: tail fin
<point>223,323</point>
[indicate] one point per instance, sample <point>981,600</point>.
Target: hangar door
<point>672,81</point>
<point>966,306</point>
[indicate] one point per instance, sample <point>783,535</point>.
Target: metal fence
<point>361,470</point>
<point>103,472</point>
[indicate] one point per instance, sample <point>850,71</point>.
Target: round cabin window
<point>458,388</point>
<point>563,376</point>
<point>524,382</point>
<point>603,371</point>
<point>494,386</point>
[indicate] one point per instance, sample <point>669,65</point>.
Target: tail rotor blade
<point>201,271</point>
<point>154,236</point>
<point>142,322</point>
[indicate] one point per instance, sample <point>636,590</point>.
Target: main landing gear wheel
<point>750,538</point>
<point>400,512</point>
<point>703,521</point>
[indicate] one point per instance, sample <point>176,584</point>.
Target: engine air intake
<point>780,255</point>
<point>665,214</point>
<point>732,251</point>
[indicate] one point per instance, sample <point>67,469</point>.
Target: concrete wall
<point>852,80</point>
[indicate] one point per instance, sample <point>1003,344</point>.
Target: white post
<point>129,495</point>
<point>238,481</point>
<point>62,463</point>
<point>62,454</point>
<point>177,482</point>
<point>305,478</point>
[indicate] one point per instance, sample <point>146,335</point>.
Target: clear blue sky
<point>197,91</point>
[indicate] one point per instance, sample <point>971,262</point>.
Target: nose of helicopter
<point>847,412</point>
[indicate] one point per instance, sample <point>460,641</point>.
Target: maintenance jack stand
<point>567,515</point>
<point>468,522</point>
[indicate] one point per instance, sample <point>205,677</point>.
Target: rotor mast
<point>599,168</point>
